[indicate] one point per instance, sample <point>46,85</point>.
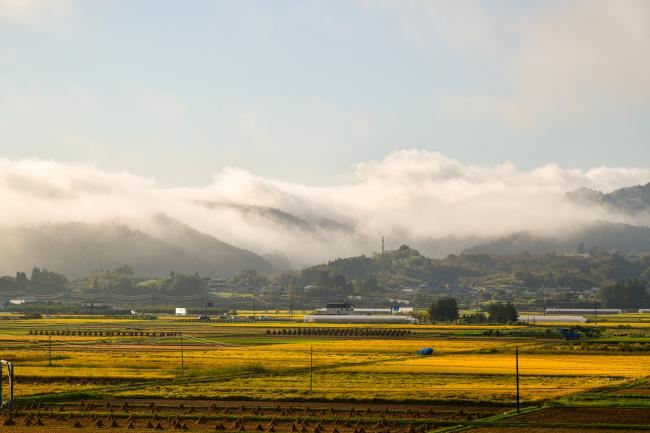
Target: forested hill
<point>628,200</point>
<point>597,237</point>
<point>77,249</point>
<point>407,267</point>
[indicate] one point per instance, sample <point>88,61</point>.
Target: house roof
<point>339,305</point>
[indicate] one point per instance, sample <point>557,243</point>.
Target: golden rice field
<point>147,361</point>
<point>469,368</point>
<point>530,364</point>
<point>221,364</point>
<point>385,386</point>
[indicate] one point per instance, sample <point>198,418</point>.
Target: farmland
<point>165,374</point>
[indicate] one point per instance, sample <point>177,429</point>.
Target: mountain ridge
<point>78,248</point>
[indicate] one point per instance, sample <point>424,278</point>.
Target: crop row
<point>365,332</point>
<point>250,412</point>
<point>178,423</point>
<point>103,333</point>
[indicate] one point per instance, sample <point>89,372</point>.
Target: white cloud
<point>553,59</point>
<point>33,13</point>
<point>576,57</point>
<point>408,195</point>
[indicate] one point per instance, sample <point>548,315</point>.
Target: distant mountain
<point>283,218</point>
<point>76,249</point>
<point>223,258</point>
<point>603,236</point>
<point>630,200</point>
<point>438,248</point>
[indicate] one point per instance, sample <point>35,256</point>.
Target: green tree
<point>630,293</point>
<point>249,278</point>
<point>184,283</point>
<point>444,310</point>
<point>124,285</point>
<point>7,282</point>
<point>45,281</point>
<point>22,282</point>
<point>125,270</point>
<point>474,318</point>
<point>502,313</point>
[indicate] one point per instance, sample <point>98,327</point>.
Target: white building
<point>358,318</point>
<point>532,319</point>
<point>584,310</point>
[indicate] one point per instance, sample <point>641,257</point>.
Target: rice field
<point>242,362</point>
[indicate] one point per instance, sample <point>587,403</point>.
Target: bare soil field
<point>548,430</point>
<point>587,415</point>
<point>240,416</point>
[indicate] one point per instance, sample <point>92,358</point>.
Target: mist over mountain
<point>76,249</point>
<point>632,200</point>
<point>240,220</point>
<point>310,223</point>
<point>630,203</point>
<point>602,236</point>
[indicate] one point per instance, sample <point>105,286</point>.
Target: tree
<point>124,285</point>
<point>184,283</point>
<point>45,281</point>
<point>125,270</point>
<point>7,283</point>
<point>331,284</point>
<point>444,310</point>
<point>630,293</point>
<point>502,313</point>
<point>249,278</point>
<point>474,318</point>
<point>22,282</point>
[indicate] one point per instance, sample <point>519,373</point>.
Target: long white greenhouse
<point>560,319</point>
<point>358,318</point>
<point>585,310</point>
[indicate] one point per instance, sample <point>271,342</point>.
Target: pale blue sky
<point>304,90</point>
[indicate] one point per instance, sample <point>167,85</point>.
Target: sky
<point>310,91</point>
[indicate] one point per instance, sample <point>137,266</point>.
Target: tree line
<point>445,309</point>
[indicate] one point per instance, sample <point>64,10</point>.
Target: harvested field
<point>549,430</point>
<point>250,416</point>
<point>587,415</point>
<point>238,378</point>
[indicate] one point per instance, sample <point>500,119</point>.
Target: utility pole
<point>49,339</point>
<point>254,311</point>
<point>291,305</point>
<point>182,357</point>
<point>382,254</point>
<point>311,367</point>
<point>517,374</point>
